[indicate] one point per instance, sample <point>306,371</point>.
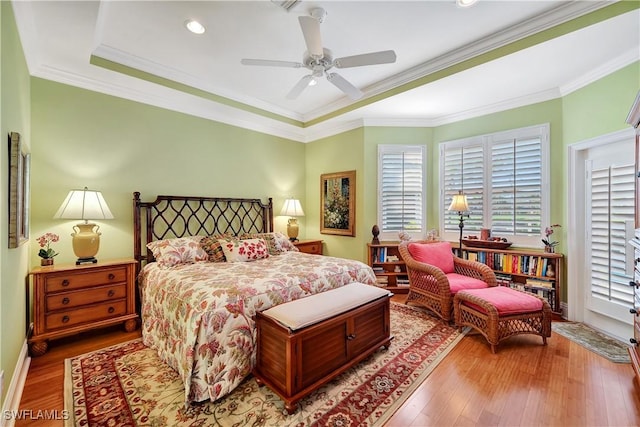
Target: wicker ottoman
<point>500,312</point>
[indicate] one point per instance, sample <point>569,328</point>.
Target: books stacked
<point>503,279</point>
<point>539,283</point>
<point>402,282</point>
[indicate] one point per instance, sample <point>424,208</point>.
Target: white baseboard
<point>14,393</point>
<point>564,309</point>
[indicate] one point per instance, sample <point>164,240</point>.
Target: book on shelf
<point>382,280</point>
<point>539,283</point>
<point>402,282</point>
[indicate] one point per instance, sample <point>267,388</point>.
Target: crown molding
<point>118,56</point>
<point>618,63</point>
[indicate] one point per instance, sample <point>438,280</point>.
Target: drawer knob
<point>633,341</point>
<point>65,282</point>
<point>351,337</point>
<point>112,276</point>
<point>65,319</point>
<point>633,283</point>
<point>65,300</point>
<point>111,310</point>
<point>111,293</point>
<point>633,311</point>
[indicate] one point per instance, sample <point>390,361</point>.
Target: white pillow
<point>182,250</point>
<point>244,250</point>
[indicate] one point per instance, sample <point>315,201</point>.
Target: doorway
<point>601,214</point>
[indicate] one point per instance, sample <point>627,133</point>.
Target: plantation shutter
<point>612,205</point>
<point>464,171</point>
<point>401,188</point>
<point>516,187</point>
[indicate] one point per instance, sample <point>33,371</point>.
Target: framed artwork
<point>338,203</point>
<point>19,163</point>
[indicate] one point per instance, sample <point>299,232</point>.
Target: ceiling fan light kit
<point>319,60</point>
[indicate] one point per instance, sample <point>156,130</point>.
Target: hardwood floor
<point>523,384</point>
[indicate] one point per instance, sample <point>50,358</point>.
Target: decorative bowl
<point>486,244</point>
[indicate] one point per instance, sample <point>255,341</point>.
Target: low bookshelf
<point>388,266</point>
<point>534,271</point>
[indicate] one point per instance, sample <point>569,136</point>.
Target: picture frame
<point>19,170</point>
<point>338,203</point>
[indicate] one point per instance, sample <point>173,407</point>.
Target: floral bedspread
<point>199,317</point>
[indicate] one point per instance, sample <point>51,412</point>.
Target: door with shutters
<point>609,211</point>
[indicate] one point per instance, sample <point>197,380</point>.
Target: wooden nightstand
<point>309,246</point>
<point>70,299</point>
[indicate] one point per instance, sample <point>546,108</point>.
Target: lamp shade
<point>459,203</point>
<point>84,204</point>
<point>292,207</point>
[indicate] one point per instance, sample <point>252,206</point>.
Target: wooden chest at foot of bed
<point>305,343</point>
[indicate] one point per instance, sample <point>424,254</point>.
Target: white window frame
<point>393,148</point>
<point>542,131</point>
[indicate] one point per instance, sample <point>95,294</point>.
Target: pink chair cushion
<point>437,254</point>
<point>459,282</point>
<point>506,300</point>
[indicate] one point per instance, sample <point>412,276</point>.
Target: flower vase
<point>46,262</point>
<point>549,249</point>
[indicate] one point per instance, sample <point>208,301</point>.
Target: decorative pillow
<point>211,245</point>
<point>437,254</point>
<point>244,250</point>
<point>270,239</point>
<point>182,250</point>
<point>284,242</point>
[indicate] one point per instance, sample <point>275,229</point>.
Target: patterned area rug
<point>607,347</point>
<point>127,385</point>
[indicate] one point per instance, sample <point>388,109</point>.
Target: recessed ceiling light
<point>465,3</point>
<point>194,26</point>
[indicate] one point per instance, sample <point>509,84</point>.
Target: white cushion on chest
<point>318,307</point>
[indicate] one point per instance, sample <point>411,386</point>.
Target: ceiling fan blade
<point>311,32</point>
<point>382,57</point>
<point>350,90</point>
<point>271,63</point>
<point>299,87</point>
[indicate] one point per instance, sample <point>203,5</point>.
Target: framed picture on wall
<point>19,163</point>
<point>338,203</point>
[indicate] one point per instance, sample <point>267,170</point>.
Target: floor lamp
<point>459,204</point>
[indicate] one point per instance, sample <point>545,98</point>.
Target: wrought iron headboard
<point>178,216</point>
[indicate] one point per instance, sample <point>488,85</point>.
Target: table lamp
<point>292,208</point>
<point>85,205</point>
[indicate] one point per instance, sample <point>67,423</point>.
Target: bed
<point>197,312</point>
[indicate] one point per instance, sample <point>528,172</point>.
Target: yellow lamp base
<point>292,229</point>
<point>86,242</point>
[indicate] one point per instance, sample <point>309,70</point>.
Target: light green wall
<point>601,107</point>
<point>83,138</point>
<point>338,153</point>
<point>14,263</point>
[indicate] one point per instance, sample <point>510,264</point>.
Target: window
<point>505,178</point>
<point>401,200</point>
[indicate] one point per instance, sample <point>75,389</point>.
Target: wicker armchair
<point>429,285</point>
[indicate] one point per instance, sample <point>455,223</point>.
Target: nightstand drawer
<point>309,246</point>
<point>65,319</point>
<point>90,296</point>
<point>65,282</point>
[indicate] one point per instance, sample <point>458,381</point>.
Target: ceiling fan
<point>319,60</point>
